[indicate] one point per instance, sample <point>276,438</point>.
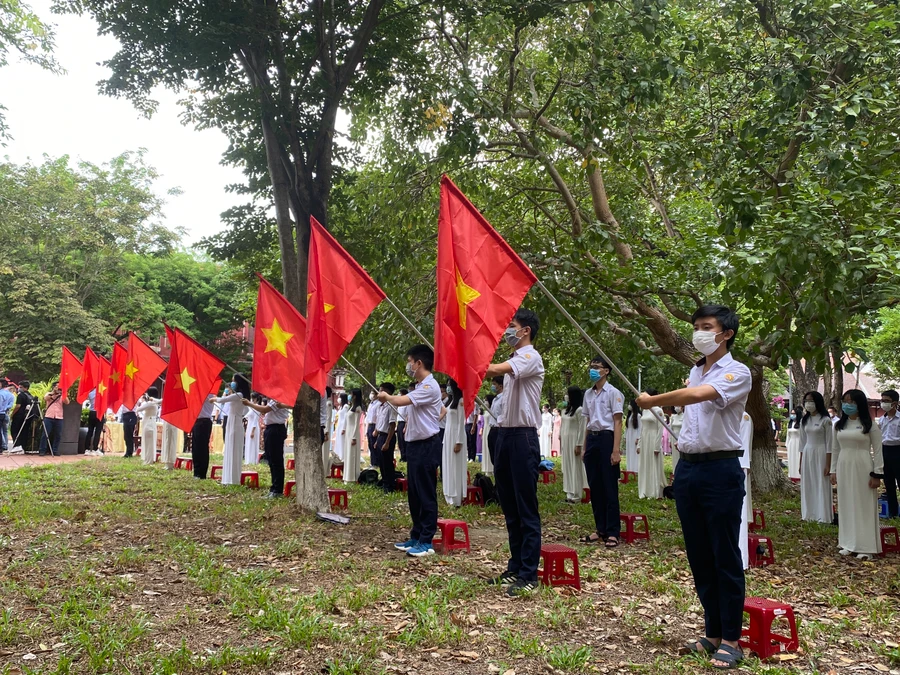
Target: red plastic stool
<point>403,484</point>
<point>760,558</point>
<point>627,476</point>
<point>548,477</point>
<point>289,487</point>
<point>338,499</point>
<point>179,462</point>
<point>214,472</point>
<point>886,546</point>
<point>554,453</point>
<point>250,479</point>
<point>447,541</point>
<point>474,495</point>
<point>760,638</point>
<point>586,498</point>
<point>554,571</point>
<point>337,471</point>
<point>631,533</point>
<point>759,521</point>
<point>291,463</point>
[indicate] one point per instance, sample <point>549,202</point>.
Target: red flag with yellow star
<point>70,369</point>
<point>142,368</point>
<point>278,345</point>
<point>193,372</point>
<point>116,375</point>
<point>340,297</point>
<point>101,398</point>
<point>90,373</point>
<point>481,283</point>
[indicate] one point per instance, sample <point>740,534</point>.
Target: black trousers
<point>385,452</point>
<point>516,473</point>
<point>21,432</point>
<point>273,446</point>
<point>603,479</point>
<point>471,438</point>
<point>372,437</point>
<point>423,459</point>
<point>129,424</point>
<point>891,476</point>
<point>95,428</point>
<point>492,443</point>
<point>200,435</point>
<point>401,441</point>
<point>709,497</point>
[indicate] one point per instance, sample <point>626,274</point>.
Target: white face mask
<point>677,410</point>
<point>810,406</point>
<point>887,407</point>
<point>705,341</point>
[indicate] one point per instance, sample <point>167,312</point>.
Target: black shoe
<point>521,587</point>
<point>506,579</point>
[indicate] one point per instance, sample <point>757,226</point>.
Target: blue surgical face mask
<point>449,390</point>
<point>511,336</point>
<point>595,375</point>
<point>493,388</point>
<point>233,386</point>
<point>849,408</point>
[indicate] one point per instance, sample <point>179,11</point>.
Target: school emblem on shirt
<point>746,416</point>
<point>427,386</point>
<point>528,356</point>
<point>729,377</point>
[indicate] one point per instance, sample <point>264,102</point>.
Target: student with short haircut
<point>709,480</point>
<point>386,428</point>
<point>890,439</point>
<point>422,406</point>
<point>274,436</point>
<point>518,453</point>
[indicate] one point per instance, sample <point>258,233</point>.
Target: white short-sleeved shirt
<point>425,409</point>
<point>277,416</point>
<point>600,407</point>
<point>714,426</point>
<point>521,405</point>
<point>372,412</point>
<point>890,429</point>
<point>386,416</point>
<point>496,407</point>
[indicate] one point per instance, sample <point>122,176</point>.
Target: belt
<point>710,456</point>
<point>598,433</point>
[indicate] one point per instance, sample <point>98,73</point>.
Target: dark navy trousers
<point>603,479</point>
<point>516,472</point>
<point>422,460</point>
<point>709,497</point>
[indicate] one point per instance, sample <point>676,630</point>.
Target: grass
<point>116,568</point>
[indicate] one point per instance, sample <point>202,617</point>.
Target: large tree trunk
<point>837,369</point>
<point>765,471</point>
<point>805,379</point>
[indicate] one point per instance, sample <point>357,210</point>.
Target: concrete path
<point>18,461</point>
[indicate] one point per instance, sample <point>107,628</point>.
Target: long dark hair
<point>243,385</point>
<point>819,400</point>
<point>344,399</point>
<point>576,399</point>
<point>634,414</point>
<point>457,394</point>
<point>862,409</point>
<point>356,402</point>
<point>798,416</point>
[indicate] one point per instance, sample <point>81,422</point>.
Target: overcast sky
<point>64,114</point>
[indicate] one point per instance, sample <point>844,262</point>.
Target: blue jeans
<point>4,429</point>
<point>53,428</point>
<point>516,471</point>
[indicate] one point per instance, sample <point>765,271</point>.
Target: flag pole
<point>599,351</point>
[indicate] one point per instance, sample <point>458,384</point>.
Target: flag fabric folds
<point>69,370</point>
<point>90,373</point>
<point>193,374</point>
<point>101,398</point>
<point>142,367</point>
<point>279,345</point>
<point>116,375</point>
<point>481,282</point>
<point>340,297</point>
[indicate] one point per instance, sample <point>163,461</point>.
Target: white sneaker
<point>865,556</point>
<point>845,551</point>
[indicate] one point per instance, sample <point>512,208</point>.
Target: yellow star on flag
<point>328,307</point>
<point>277,338</point>
<point>116,377</point>
<point>186,380</point>
<point>102,388</point>
<point>464,296</point>
<point>130,370</point>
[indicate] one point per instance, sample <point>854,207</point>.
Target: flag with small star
<point>192,374</point>
<point>481,283</point>
<point>69,370</point>
<point>143,366</point>
<point>90,373</point>
<point>101,398</point>
<point>341,297</point>
<point>278,345</point>
<point>116,375</point>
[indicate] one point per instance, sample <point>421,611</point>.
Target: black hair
<point>489,399</point>
<point>256,396</point>
<point>891,394</point>
<point>25,384</point>
<point>329,392</point>
<point>404,391</point>
<point>243,385</point>
<point>345,400</point>
<point>4,382</point>
<point>422,353</point>
<point>528,319</point>
<point>498,380</point>
<point>724,315</point>
<point>356,400</point>
<point>798,417</point>
<point>634,414</point>
<point>603,362</point>
<point>862,409</point>
<point>389,387</point>
<point>456,397</point>
<point>820,405</point>
<point>152,392</point>
<point>576,399</point>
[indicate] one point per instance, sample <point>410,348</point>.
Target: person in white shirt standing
<point>709,480</point>
<point>371,434</point>
<point>890,441</point>
<point>386,427</point>
<point>518,453</point>
<point>603,405</point>
<point>274,436</point>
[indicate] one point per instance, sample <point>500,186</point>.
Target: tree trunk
<point>765,471</point>
<point>837,368</point>
<point>805,379</point>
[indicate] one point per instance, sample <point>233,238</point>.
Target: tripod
<point>28,417</point>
